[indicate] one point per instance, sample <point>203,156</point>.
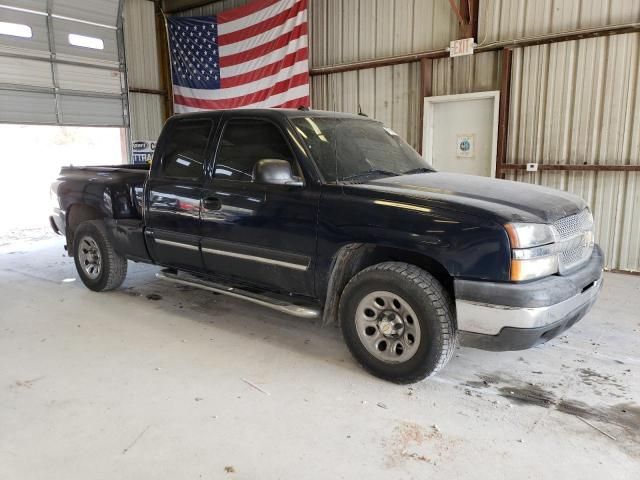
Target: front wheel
<point>100,267</point>
<point>398,322</point>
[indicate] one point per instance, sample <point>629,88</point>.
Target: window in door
<point>244,143</point>
<point>186,149</point>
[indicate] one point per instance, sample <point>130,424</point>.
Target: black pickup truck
<point>323,214</point>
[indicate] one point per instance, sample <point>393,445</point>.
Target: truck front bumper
<point>515,316</point>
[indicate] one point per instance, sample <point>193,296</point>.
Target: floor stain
<point>623,419</point>
<point>26,383</point>
<point>410,441</point>
<point>591,377</point>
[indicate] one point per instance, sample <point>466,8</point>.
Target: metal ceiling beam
<point>177,6</point>
<point>518,43</point>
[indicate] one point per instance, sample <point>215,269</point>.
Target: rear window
<point>185,152</point>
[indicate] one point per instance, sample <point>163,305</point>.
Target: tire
<point>92,247</point>
<point>412,297</point>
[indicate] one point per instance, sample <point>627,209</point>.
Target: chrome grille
<point>573,225</point>
<point>575,239</point>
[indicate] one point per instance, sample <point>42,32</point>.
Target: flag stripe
<point>253,97</point>
<point>296,98</point>
<point>260,27</point>
<point>263,50</point>
<point>267,70</point>
<point>237,19</point>
<point>272,57</point>
<point>275,100</point>
<point>295,103</point>
<point>265,37</point>
<point>261,84</point>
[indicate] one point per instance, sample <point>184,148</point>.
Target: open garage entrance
<point>32,158</point>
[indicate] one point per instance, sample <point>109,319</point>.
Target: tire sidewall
<point>426,358</point>
<point>88,229</point>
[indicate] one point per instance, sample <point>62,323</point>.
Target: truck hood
<point>502,199</point>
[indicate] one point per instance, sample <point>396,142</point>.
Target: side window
<point>243,143</point>
<point>186,149</point>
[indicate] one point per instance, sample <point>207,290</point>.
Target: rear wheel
<point>398,322</point>
<point>100,267</point>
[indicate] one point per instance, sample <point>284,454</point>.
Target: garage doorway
<point>461,132</point>
<point>32,156</point>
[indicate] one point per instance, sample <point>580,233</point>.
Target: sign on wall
<point>465,145</point>
<point>461,47</point>
<point>142,151</point>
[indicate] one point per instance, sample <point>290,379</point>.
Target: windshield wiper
<point>417,170</point>
<point>369,173</point>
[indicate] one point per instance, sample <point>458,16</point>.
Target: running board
<point>258,299</point>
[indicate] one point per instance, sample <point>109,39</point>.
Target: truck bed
<point>106,168</point>
<point>90,185</point>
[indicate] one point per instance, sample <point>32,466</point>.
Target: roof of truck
<point>273,113</point>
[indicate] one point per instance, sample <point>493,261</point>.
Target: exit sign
<point>457,48</point>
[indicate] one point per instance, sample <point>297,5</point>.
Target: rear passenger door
<point>174,190</point>
<point>258,233</point>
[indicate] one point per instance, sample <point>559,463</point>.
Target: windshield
<point>347,149</point>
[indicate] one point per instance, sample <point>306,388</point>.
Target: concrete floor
<point>117,385</point>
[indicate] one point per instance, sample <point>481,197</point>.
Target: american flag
<point>252,56</point>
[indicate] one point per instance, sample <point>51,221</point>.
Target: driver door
<point>255,233</point>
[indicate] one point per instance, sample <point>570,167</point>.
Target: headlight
<point>534,253</point>
<point>526,235</point>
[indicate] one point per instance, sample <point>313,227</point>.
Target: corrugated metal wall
<point>351,30</point>
<point>510,19</point>
<point>579,103</point>
<point>388,94</point>
<point>143,71</point>
<point>474,73</point>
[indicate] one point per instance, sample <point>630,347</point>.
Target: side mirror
<point>272,171</point>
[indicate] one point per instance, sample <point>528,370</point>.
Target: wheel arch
<point>355,257</point>
<point>76,214</point>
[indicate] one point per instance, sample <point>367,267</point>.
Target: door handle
<point>211,203</point>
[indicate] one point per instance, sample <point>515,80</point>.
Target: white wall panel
<point>38,43</point>
<point>19,71</point>
<point>474,73</point>
<point>143,70</point>
<point>351,30</point>
<point>511,19</point>
<point>37,5</point>
<point>27,107</point>
<point>389,94</point>
<point>141,45</point>
<point>146,116</point>
<point>80,110</point>
<point>104,12</point>
<point>62,29</point>
<point>73,77</point>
